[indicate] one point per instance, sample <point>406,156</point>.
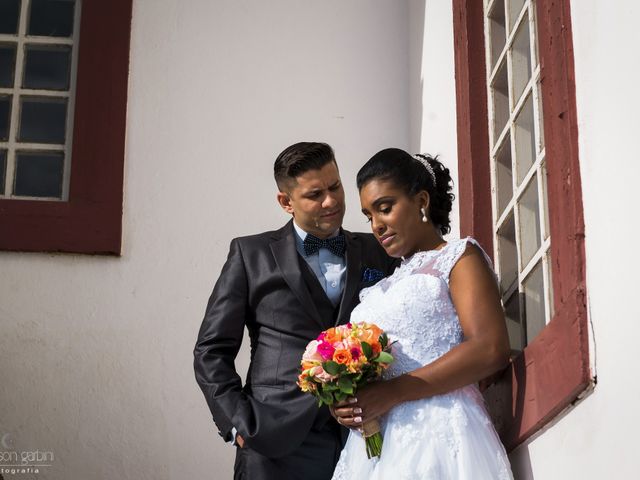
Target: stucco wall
<point>596,439</point>
<point>96,352</point>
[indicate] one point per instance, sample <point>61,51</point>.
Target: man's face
<point>316,200</point>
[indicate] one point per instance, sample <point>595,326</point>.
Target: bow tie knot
<point>335,245</point>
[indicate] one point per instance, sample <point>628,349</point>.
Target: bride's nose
<point>377,226</point>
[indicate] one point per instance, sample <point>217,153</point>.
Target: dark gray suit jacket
<point>261,287</point>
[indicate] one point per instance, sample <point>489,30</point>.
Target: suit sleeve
<point>219,341</point>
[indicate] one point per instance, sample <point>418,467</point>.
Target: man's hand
<point>239,440</point>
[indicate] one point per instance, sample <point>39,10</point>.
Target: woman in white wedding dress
<point>442,308</point>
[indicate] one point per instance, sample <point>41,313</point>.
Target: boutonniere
<point>372,275</point>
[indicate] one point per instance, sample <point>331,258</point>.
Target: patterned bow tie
<point>335,245</point>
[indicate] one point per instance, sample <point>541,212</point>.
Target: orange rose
<point>332,336</point>
<point>370,334</point>
<point>342,356</point>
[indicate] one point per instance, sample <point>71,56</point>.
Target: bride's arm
<point>485,348</point>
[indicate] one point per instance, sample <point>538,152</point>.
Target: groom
<point>285,287</point>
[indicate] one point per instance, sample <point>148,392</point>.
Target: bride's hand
<point>374,400</point>
<point>371,402</point>
<point>347,413</point>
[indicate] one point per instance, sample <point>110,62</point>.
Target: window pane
<point>39,174</point>
<point>525,140</point>
<point>53,18</point>
<point>540,120</point>
<point>514,323</point>
<point>507,254</point>
<point>7,65</point>
<point>3,169</point>
<point>47,67</point>
<point>515,7</point>
<point>9,15</point>
<point>529,222</point>
<point>497,31</point>
<point>500,90</point>
<point>534,302</point>
<point>5,117</point>
<point>521,60</point>
<point>42,120</point>
<point>550,285</point>
<point>504,180</point>
<point>545,200</point>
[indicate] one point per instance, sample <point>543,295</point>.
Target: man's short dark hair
<point>300,158</point>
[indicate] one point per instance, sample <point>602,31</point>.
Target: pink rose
<point>325,349</point>
<point>311,353</point>
<point>319,373</point>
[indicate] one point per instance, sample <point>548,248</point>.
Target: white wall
<point>597,439</point>
<point>96,352</point>
<point>432,88</point>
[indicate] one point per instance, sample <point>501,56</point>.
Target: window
<point>516,152</point>
<point>63,86</point>
<point>36,94</point>
<point>517,145</point>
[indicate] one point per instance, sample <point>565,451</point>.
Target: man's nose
<point>329,201</point>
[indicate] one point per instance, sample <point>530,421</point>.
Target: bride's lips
<point>385,240</point>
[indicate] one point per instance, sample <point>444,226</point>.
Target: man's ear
<point>285,202</point>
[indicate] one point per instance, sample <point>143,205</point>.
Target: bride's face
<point>396,219</point>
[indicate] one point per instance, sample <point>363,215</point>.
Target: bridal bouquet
<point>342,359</point>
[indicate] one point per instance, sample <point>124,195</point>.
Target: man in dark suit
<point>285,287</point>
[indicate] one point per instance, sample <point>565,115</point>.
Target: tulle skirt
<point>447,437</point>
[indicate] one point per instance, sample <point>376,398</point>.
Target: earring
<point>424,215</point>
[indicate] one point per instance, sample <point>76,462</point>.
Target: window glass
<point>47,67</point>
<point>51,18</point>
<point>39,174</point>
<point>9,16</point>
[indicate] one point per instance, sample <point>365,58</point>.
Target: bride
<point>442,307</point>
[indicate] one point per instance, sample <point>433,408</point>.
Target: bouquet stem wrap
<point>372,438</point>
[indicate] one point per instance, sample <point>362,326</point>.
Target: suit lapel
<point>354,260</point>
<point>286,256</point>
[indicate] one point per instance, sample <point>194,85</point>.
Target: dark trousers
<point>315,459</point>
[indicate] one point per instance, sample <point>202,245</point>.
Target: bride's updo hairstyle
<point>412,176</point>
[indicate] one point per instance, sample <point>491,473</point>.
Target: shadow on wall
<point>416,84</point>
<point>521,463</point>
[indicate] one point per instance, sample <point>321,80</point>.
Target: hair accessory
<point>423,159</point>
<point>425,219</point>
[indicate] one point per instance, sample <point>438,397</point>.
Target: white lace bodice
<point>414,307</point>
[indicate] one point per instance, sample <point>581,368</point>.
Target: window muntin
<point>518,174</point>
<point>38,58</point>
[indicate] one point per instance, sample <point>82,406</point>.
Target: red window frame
<point>553,370</point>
<point>91,220</point>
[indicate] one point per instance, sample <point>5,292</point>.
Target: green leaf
<point>384,357</point>
<point>326,397</point>
<point>331,367</point>
<point>367,350</point>
<point>384,340</point>
<point>345,385</point>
